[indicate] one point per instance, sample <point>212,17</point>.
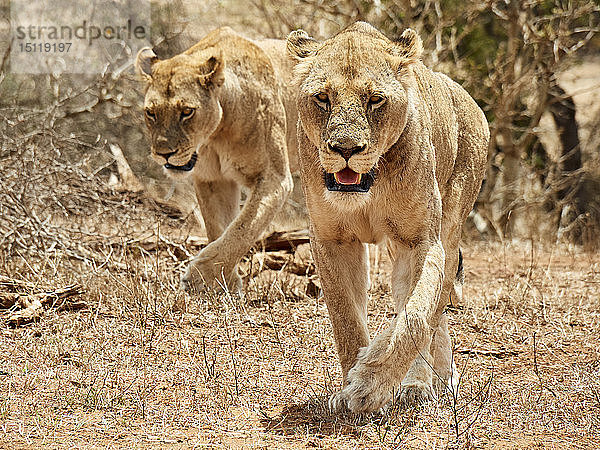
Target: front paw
<point>367,390</point>
<point>337,404</point>
<point>415,394</point>
<point>203,275</point>
<point>192,282</point>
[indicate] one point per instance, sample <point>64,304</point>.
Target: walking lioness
<point>389,150</point>
<point>222,113</point>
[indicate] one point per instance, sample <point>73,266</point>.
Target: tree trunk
<point>511,184</point>
<point>570,195</point>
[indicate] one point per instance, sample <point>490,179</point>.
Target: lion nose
<point>165,153</point>
<point>346,152</point>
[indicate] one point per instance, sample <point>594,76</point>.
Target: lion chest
<point>208,167</point>
<point>216,162</point>
<point>402,221</point>
<point>375,229</point>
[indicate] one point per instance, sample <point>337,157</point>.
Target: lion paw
<point>415,394</point>
<point>204,276</point>
<point>337,404</point>
<point>192,285</point>
<point>366,392</point>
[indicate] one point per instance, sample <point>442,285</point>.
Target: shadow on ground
<point>314,416</point>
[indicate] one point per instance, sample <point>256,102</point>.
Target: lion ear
<point>300,45</point>
<point>408,47</point>
<point>212,71</point>
<point>144,61</point>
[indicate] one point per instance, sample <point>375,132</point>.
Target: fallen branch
<point>129,182</point>
<point>502,353</point>
<point>27,308</point>
<point>284,240</point>
<point>10,284</point>
<point>282,261</point>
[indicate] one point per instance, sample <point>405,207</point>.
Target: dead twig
<point>502,353</point>
<point>129,181</point>
<point>284,240</point>
<point>27,307</point>
<point>536,370</point>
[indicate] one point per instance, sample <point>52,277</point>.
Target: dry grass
<point>146,366</point>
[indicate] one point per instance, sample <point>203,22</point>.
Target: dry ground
<point>145,366</point>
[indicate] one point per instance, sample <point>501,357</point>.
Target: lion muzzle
<point>184,168</point>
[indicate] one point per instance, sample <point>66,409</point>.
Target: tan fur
<point>243,126</point>
<point>428,145</point>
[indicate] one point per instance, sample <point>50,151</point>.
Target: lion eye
<point>151,115</point>
<point>322,99</point>
<point>376,100</point>
<point>187,113</point>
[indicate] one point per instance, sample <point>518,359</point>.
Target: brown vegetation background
<point>98,347</point>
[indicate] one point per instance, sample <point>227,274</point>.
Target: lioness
<point>222,112</point>
<point>389,150</point>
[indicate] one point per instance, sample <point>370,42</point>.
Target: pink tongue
<point>347,176</point>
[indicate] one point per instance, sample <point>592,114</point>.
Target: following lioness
<point>389,150</point>
<point>222,113</point>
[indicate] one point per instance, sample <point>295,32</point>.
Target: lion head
<point>356,95</point>
<point>181,106</point>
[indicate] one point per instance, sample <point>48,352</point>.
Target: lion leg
<point>433,370</point>
<point>343,271</point>
<point>416,387</point>
<point>219,203</point>
<point>445,376</point>
<point>216,264</point>
<point>445,373</point>
<point>456,208</point>
<point>434,366</point>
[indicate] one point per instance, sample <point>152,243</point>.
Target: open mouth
<point>347,180</point>
<point>186,167</point>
